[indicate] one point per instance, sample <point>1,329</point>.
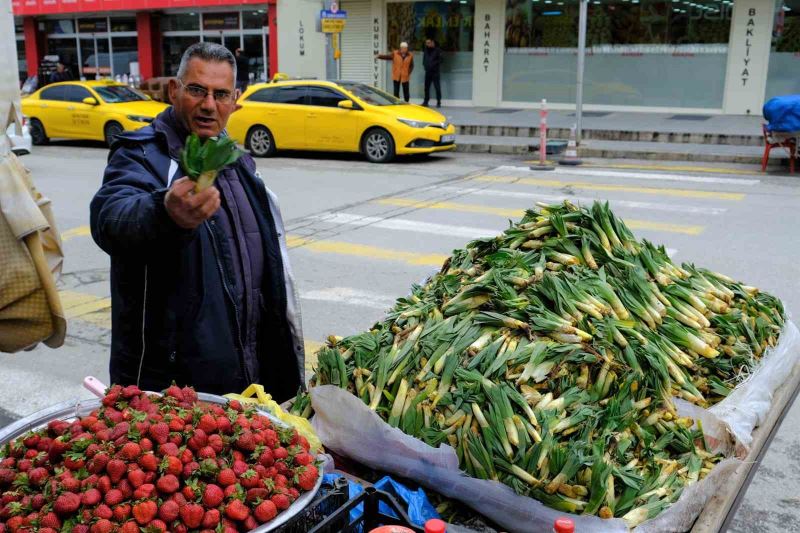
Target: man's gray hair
<point>206,52</point>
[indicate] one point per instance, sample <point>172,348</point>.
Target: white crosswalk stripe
<point>465,232</point>
<point>350,296</point>
<point>580,171</point>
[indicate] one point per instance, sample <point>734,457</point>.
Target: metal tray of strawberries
<point>79,408</point>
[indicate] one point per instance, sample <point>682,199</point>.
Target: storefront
<point>127,39</point>
<point>706,56</point>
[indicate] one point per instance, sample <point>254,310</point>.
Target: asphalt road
<point>361,234</point>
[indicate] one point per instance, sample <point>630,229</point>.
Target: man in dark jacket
<point>432,62</point>
<point>201,288</point>
<point>242,70</point>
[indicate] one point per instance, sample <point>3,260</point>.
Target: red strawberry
<point>172,465</point>
<point>91,497</point>
<point>175,392</point>
<point>293,493</point>
<point>157,525</point>
<point>178,527</point>
<point>80,528</point>
<point>303,442</point>
<point>146,444</point>
<point>50,520</point>
<point>113,497</point>
<point>169,449</point>
<point>236,510</point>
<point>189,469</point>
<point>70,484</point>
<point>280,453</point>
<point>169,511</point>
<point>283,468</point>
<point>226,477</point>
<point>192,515</point>
<point>280,480</point>
<point>249,479</point>
<point>120,430</point>
<point>266,458</point>
<point>104,484</point>
<point>303,459</point>
<point>207,452</point>
<point>266,511</point>
<point>235,405</point>
<point>210,519</point>
<point>116,469</point>
<point>208,424</point>
<point>179,498</point>
<point>122,512</point>
<point>258,493</point>
<point>186,456</point>
<point>167,484</point>
<point>224,425</point>
<point>231,490</point>
<point>216,443</point>
<point>98,463</point>
<point>148,462</point>
<point>130,451</point>
<point>145,511</point>
<point>159,432</point>
<point>136,478</point>
<point>145,491</point>
<point>240,467</point>
<point>246,442</point>
<point>102,526</point>
<point>67,503</point>
<point>199,440</point>
<point>250,523</point>
<point>213,496</point>
<point>38,501</point>
<point>130,527</point>
<point>37,476</point>
<point>103,511</point>
<point>74,462</point>
<point>281,501</point>
<point>126,488</point>
<point>176,424</point>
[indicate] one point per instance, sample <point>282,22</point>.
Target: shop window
<point>99,25</point>
<point>120,24</point>
<point>180,22</point>
<point>630,48</point>
<point>784,57</point>
<point>173,48</point>
<point>254,19</point>
<point>451,25</point>
<point>59,26</point>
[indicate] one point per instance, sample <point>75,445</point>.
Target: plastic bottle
<point>564,525</point>
<point>434,525</point>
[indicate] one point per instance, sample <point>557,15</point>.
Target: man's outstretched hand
<point>187,208</point>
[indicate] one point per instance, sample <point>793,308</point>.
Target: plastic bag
<point>347,426</point>
<point>255,394</point>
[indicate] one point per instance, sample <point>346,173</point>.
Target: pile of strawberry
<point>147,463</point>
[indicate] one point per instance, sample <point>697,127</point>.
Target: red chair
<point>776,140</point>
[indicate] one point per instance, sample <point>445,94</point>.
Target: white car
<point>20,144</point>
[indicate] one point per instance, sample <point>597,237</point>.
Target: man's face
<point>429,43</point>
<point>205,116</point>
<point>404,49</point>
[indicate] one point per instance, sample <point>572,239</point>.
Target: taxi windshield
<point>371,95</point>
<point>117,94</point>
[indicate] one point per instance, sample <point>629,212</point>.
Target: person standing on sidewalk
<point>402,67</point>
<point>242,70</point>
<point>432,62</point>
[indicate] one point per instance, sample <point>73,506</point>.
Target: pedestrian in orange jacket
<point>402,67</point>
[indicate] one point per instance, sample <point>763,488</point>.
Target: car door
<point>51,110</point>
<point>281,109</point>
<point>329,127</point>
<point>84,120</point>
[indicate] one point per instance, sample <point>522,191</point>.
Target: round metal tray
<point>71,410</point>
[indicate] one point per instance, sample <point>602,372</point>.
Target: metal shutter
<point>357,58</point>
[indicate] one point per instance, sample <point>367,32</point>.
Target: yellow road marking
<point>311,353</point>
<point>518,213</point>
<point>362,250</point>
<point>80,231</point>
<point>679,168</point>
<point>683,193</point>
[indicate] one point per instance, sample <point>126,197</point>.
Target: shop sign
<point>332,21</point>
<point>487,42</point>
<point>92,25</point>
<point>376,49</point>
<point>220,21</point>
<point>750,28</point>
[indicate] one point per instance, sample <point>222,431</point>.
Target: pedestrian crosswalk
<point>352,263</point>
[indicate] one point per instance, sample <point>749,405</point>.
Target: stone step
<point>616,135</point>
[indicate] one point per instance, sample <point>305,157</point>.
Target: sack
<point>30,261</point>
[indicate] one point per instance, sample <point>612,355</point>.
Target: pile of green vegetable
<point>202,160</point>
<point>549,356</point>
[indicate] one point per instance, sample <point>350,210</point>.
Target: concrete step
<point>616,135</point>
<point>658,151</point>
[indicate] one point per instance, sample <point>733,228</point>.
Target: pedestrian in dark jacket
<point>432,62</point>
<point>201,289</point>
<point>242,70</point>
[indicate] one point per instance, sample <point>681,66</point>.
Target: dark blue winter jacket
<point>173,312</point>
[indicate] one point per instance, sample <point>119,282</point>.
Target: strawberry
<point>189,493</point>
<point>210,519</point>
<point>303,459</point>
<point>144,512</point>
<point>148,462</point>
<point>172,465</point>
<point>283,468</point>
<point>280,480</point>
<point>169,511</point>
<point>293,493</point>
<point>130,391</point>
<point>216,443</point>
<point>250,523</point>
<point>213,496</point>
<point>175,392</point>
<point>120,430</point>
<point>179,498</point>
<point>130,451</point>
<point>176,424</point>
<point>169,449</point>
<point>80,528</point>
<point>145,443</point>
<point>126,488</point>
<point>249,479</point>
<point>47,530</point>
<point>37,476</point>
<point>167,484</point>
<point>70,484</point>
<point>159,432</point>
<point>113,497</point>
<point>103,511</point>
<point>157,525</point>
<point>303,442</point>
<point>281,501</point>
<point>258,493</point>
<point>102,526</point>
<point>98,463</point>
<point>198,440</point>
<point>190,469</point>
<point>179,527</point>
<point>104,484</point>
<point>50,520</point>
<point>38,501</point>
<point>91,497</point>
<point>240,467</point>
<point>130,527</point>
<point>226,477</point>
<point>116,469</point>
<point>207,452</point>
<point>136,478</point>
<point>145,491</point>
<point>192,515</point>
<point>186,456</point>
<point>265,511</point>
<point>208,424</point>
<point>122,512</point>
<point>236,510</point>
<point>224,425</point>
<point>246,442</point>
<point>267,458</point>
<point>280,453</point>
<point>67,503</point>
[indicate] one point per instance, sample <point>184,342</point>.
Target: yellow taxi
<point>336,116</point>
<point>94,110</point>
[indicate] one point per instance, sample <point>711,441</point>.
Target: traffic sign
<point>332,21</point>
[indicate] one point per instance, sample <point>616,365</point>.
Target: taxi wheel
<point>112,131</point>
<point>378,146</point>
<point>38,135</point>
<point>260,142</point>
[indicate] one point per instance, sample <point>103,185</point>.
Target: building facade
<point>97,38</point>
<point>720,56</point>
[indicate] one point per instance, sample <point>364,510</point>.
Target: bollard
<point>571,153</point>
<point>542,164</point>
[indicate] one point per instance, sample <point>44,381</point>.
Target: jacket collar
<point>169,129</point>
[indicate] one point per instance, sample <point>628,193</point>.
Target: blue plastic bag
<point>783,113</point>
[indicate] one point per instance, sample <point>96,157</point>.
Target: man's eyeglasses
<point>199,92</point>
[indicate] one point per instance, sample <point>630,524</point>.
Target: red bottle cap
<point>564,525</point>
<point>434,525</point>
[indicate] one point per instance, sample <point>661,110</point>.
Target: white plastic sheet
<point>347,426</point>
